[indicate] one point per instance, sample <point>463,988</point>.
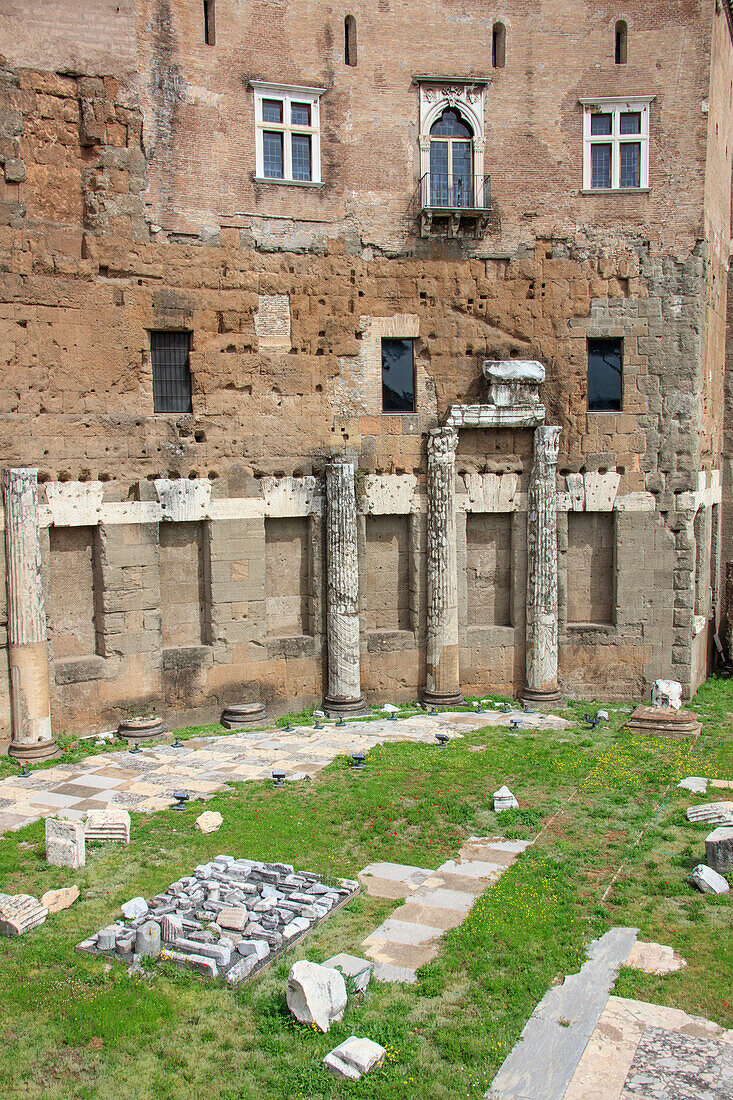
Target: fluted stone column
<point>342,577</point>
<point>541,655</point>
<point>442,676</point>
<point>27,641</point>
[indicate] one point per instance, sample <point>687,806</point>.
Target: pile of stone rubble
<point>229,918</point>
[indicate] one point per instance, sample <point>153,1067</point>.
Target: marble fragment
<point>316,994</point>
<point>354,1057</point>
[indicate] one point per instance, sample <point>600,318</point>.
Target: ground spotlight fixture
<point>442,739</point>
<point>317,724</point>
<point>340,721</point>
<point>358,761</point>
<point>181,799</point>
<point>287,726</point>
<point>506,707</point>
<point>392,716</point>
<point>479,708</point>
<point>136,748</point>
<point>278,777</point>
<point>24,769</point>
<point>515,723</point>
<point>433,710</point>
<point>177,744</point>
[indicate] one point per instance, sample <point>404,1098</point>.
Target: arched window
<point>498,46</point>
<point>451,161</point>
<point>622,33</point>
<point>350,40</point>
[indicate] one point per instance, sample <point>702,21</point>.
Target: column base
<point>341,706</point>
<point>32,754</point>
<point>443,698</point>
<point>542,700</point>
<point>140,729</point>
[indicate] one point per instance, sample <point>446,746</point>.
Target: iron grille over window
<point>171,372</point>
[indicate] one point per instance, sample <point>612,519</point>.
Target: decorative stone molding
<point>514,383</point>
<point>74,503</point>
<point>442,673</point>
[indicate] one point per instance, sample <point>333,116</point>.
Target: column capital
<point>546,447</point>
<point>442,444</point>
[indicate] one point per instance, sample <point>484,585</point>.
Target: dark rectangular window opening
<point>605,364</point>
<point>209,23</point>
<point>398,376</point>
<point>169,352</point>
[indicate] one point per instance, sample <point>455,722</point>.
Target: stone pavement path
<point>146,781</point>
<point>436,901</point>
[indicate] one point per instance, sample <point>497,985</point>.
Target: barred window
<point>169,352</point>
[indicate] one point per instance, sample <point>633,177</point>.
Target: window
<point>398,376</point>
<point>616,144</point>
<point>451,172</point>
<point>350,40</point>
<point>287,137</point>
<point>209,23</point>
<point>621,42</point>
<point>169,352</point>
<point>605,363</point>
<point>498,46</point>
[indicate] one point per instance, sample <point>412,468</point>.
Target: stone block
<point>136,907</point>
<point>708,881</point>
<point>504,800</point>
<point>718,850</point>
<point>110,823</point>
<point>204,966</point>
<point>359,970</point>
<point>209,821</point>
<point>56,900</point>
<point>234,917</point>
<point>354,1057</point>
<point>316,994</point>
<point>667,693</point>
<point>147,940</point>
<point>713,813</point>
<point>19,913</point>
<point>65,843</point>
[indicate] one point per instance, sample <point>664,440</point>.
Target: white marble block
<point>65,845</point>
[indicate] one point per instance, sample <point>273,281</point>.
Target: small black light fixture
<point>181,799</point>
<point>135,748</point>
<point>479,708</point>
<point>340,720</point>
<point>442,739</point>
<point>393,716</point>
<point>433,710</point>
<point>287,727</point>
<point>515,723</point>
<point>278,777</point>
<point>24,769</point>
<point>358,759</point>
<point>506,707</point>
<point>317,725</point>
<point>177,744</point>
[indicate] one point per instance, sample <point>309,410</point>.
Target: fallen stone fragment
<point>359,970</point>
<point>107,937</point>
<point>504,800</point>
<point>695,783</point>
<point>260,948</point>
<point>718,850</point>
<point>147,940</point>
<point>295,928</point>
<point>242,969</point>
<point>654,958</point>
<point>209,821</point>
<point>709,881</point>
<point>354,1057</point>
<point>136,907</point>
<point>204,966</point>
<point>171,928</point>
<point>219,952</point>
<point>19,913</point>
<point>233,916</point>
<point>713,813</point>
<point>667,693</point>
<point>65,842</point>
<point>316,994</point>
<point>56,900</point>
<point>108,824</point>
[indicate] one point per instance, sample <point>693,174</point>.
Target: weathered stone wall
<point>590,566</point>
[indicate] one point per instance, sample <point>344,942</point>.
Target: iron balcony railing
<point>440,192</point>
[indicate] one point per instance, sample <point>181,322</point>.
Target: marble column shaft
<point>442,675</point>
<point>541,611</point>
<point>342,573</point>
<point>27,637</point>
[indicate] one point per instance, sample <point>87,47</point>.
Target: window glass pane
<point>272,149</point>
<point>438,173</point>
<point>450,124</point>
<point>461,171</point>
<point>398,376</point>
<point>604,375</point>
<point>600,162</point>
<point>169,352</point>
<point>630,122</point>
<point>600,125</point>
<point>629,165</point>
<point>301,151</point>
<point>272,110</point>
<point>300,114</point>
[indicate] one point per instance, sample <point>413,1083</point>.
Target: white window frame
<point>288,94</point>
<point>615,106</point>
<point>467,97</point>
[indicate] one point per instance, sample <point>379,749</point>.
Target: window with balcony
<point>287,133</point>
<point>451,161</point>
<point>616,144</point>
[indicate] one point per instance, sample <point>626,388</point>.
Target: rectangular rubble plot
<point>230,918</point>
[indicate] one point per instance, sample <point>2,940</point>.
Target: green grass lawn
<point>77,1026</point>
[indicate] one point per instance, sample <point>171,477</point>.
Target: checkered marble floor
<point>146,781</point>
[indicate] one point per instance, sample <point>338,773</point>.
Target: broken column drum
<point>442,675</point>
<point>541,654</point>
<point>27,639</point>
<point>342,572</point>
